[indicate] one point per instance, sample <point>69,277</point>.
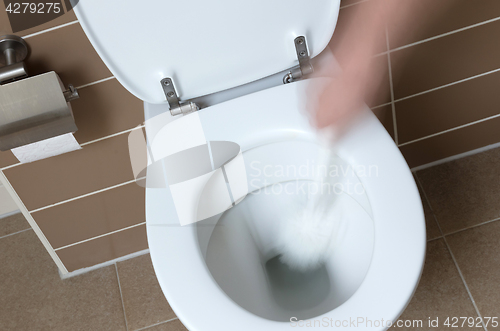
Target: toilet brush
<point>305,240</point>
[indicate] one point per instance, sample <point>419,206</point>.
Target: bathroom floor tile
<point>477,252</point>
<point>441,292</point>
<point>464,192</point>
<point>431,226</point>
<point>33,297</point>
<point>174,325</point>
<point>13,224</point>
<point>143,299</point>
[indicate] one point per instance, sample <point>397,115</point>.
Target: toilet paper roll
<point>46,148</point>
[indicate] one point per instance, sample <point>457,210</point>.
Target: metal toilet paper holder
<point>31,108</point>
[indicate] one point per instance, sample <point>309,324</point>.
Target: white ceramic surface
<point>204,46</point>
<point>269,117</point>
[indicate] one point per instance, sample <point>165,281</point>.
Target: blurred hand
<point>339,101</point>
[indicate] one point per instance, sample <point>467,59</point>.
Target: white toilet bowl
<point>215,277</point>
<point>222,273</point>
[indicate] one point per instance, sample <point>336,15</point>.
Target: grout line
<point>429,240</point>
<point>11,234</point>
<point>450,130</point>
<point>100,236</point>
<point>112,135</point>
<point>121,296</point>
<point>95,82</point>
<point>473,226</point>
<point>445,34</point>
<point>353,4</point>
<point>455,157</point>
<point>33,224</point>
<point>382,105</point>
<point>11,213</point>
<point>391,85</point>
<point>50,29</point>
<point>86,195</point>
<point>452,255</point>
<point>11,166</point>
<point>85,270</point>
<point>160,323</point>
<point>449,84</point>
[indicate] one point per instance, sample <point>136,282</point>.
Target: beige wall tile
<point>169,326</point>
<point>104,249</point>
<point>448,108</point>
<point>104,109</point>
<point>7,159</point>
<point>35,298</point>
<point>96,166</point>
<point>68,52</point>
<point>464,192</point>
<point>93,215</point>
<point>143,299</point>
<point>451,15</point>
<point>440,293</point>
<point>446,60</point>
<point>452,143</point>
<point>477,254</point>
<point>13,224</point>
<point>384,114</point>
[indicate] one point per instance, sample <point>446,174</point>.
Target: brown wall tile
<point>450,15</point>
<point>104,249</point>
<point>446,60</point>
<point>452,143</point>
<point>7,159</point>
<point>447,108</point>
<point>5,26</point>
<point>68,52</point>
<point>94,167</point>
<point>104,109</point>
<point>383,94</point>
<point>384,114</point>
<point>93,216</point>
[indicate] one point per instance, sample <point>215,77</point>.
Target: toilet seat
<point>399,246</point>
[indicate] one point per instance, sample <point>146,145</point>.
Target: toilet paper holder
<point>31,108</point>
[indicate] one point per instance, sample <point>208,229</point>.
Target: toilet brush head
<point>305,240</point>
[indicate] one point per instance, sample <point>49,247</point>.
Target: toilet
<point>212,73</point>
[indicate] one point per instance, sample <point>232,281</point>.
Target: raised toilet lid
<point>204,46</point>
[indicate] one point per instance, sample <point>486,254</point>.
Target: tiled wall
<point>442,102</point>
<point>445,77</point>
<point>85,203</point>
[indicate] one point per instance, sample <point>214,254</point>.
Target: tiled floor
<point>461,277</point>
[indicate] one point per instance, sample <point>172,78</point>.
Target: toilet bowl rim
<point>414,231</point>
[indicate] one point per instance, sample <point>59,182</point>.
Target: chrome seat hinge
<point>305,67</point>
<point>176,107</point>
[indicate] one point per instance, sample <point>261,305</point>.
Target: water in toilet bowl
<point>305,240</point>
<point>242,251</point>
